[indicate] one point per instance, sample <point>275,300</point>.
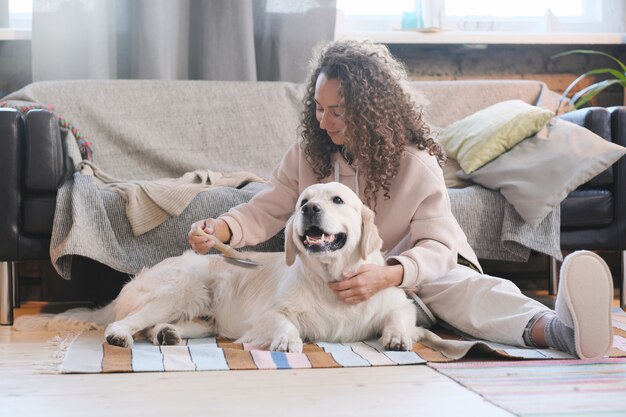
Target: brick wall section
<point>455,62</point>
<point>425,62</point>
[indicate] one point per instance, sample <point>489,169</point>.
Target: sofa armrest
<point>618,135</point>
<point>44,167</point>
<point>596,119</point>
<point>11,134</point>
<point>32,168</point>
<point>618,124</point>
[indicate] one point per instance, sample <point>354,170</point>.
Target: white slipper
<point>584,302</point>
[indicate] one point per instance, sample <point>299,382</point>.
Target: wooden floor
<point>26,390</point>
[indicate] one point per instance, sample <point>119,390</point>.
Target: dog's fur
<point>277,305</point>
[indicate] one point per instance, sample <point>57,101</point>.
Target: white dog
<point>277,305</point>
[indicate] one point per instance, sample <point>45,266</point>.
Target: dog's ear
<point>290,246</point>
<point>370,239</point>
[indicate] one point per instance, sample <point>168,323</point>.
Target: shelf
<point>444,37</point>
<point>486,38</point>
<point>10,34</point>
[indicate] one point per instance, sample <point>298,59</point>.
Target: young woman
<point>360,127</point>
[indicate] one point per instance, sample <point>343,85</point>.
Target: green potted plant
<point>586,94</point>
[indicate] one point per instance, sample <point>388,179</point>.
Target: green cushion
<point>486,134</point>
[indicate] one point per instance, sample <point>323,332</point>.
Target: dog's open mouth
<point>316,240</point>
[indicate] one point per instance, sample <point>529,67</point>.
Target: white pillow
<point>538,173</point>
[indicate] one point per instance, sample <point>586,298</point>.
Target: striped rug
<point>546,388</point>
<point>88,353</point>
<point>554,388</point>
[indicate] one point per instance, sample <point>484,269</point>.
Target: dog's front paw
<point>165,335</point>
<point>286,343</point>
<point>396,340</point>
<point>117,335</point>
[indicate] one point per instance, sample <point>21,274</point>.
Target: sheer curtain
<point>185,39</point>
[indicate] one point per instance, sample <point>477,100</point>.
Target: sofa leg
<point>553,282</point>
<point>6,293</point>
<point>16,285</point>
<point>622,282</point>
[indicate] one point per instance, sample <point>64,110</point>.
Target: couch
<point>143,130</point>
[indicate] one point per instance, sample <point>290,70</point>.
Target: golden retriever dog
<point>277,305</point>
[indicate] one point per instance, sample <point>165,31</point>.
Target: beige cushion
<point>449,175</point>
<point>486,134</point>
<point>537,174</point>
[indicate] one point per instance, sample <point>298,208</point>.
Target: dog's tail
<point>74,319</point>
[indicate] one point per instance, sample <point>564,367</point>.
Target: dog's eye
<point>303,202</point>
<point>337,200</point>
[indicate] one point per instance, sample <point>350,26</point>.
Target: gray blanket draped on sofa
<point>92,222</point>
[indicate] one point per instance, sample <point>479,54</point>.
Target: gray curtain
<point>178,39</point>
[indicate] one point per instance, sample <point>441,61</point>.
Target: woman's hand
<point>216,227</point>
<point>367,280</point>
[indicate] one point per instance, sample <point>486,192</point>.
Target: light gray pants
<point>482,306</point>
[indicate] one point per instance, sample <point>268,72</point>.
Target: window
<point>20,14</point>
<point>355,16</point>
<point>534,8</point>
<point>535,15</point>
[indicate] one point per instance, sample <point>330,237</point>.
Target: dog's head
<point>331,222</point>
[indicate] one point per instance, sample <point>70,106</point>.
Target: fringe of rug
<point>57,347</point>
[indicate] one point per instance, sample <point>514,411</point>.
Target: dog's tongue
<point>319,239</point>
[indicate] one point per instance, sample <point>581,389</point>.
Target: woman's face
<point>329,108</point>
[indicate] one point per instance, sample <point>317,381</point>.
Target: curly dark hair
<point>380,115</point>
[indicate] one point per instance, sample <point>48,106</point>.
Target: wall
<point>15,65</point>
<point>451,62</point>
<point>429,62</point>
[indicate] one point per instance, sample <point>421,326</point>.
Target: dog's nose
<point>311,208</point>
